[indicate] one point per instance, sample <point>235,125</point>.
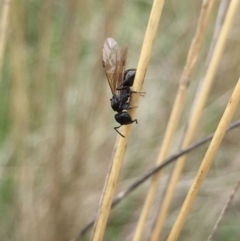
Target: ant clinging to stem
<point>120,81</point>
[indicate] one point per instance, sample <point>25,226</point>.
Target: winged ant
<point>120,81</point>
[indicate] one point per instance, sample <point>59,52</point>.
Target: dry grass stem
<point>145,55</point>
<point>20,118</point>
<point>206,163</point>
<point>56,122</point>
<point>198,107</point>
<point>196,44</point>
<point>20,105</point>
<point>175,115</point>
<point>225,208</point>
<point>3,29</point>
<point>172,124</point>
<point>112,178</point>
<point>217,28</point>
<point>123,194</point>
<point>185,79</point>
<point>60,231</point>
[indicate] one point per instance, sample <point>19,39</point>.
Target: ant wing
<point>110,62</point>
<point>122,66</point>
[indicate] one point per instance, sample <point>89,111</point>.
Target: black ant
<point>119,80</point>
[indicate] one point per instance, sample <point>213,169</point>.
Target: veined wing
<point>110,62</point>
<point>122,66</point>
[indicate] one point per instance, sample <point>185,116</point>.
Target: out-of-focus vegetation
<point>56,123</point>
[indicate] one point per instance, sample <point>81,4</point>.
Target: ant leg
<point>135,121</point>
<point>131,91</point>
<point>118,131</point>
<point>136,92</point>
<point>132,107</point>
<point>126,106</point>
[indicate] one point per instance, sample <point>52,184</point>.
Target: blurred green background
<point>56,123</point>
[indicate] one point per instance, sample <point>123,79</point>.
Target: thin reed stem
<point>193,54</point>
<point>20,119</point>
<point>206,163</point>
<point>3,29</point>
<point>123,194</point>
<point>197,109</point>
<point>159,222</point>
<point>112,178</point>
<point>56,197</point>
<point>217,28</point>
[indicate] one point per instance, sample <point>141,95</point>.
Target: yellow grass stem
<point>112,178</point>
<point>3,29</point>
<point>175,115</point>
<point>143,178</point>
<point>20,118</point>
<point>19,100</point>
<point>145,55</point>
<point>162,156</point>
<point>56,197</point>
<point>206,163</point>
<point>197,110</point>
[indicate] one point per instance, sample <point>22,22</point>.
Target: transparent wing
<point>111,59</point>
<point>121,66</point>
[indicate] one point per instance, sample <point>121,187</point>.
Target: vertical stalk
<point>115,168</point>
<point>193,54</point>
<point>3,29</point>
<point>199,104</point>
<point>206,163</point>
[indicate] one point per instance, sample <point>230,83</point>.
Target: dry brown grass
<point>56,123</point>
